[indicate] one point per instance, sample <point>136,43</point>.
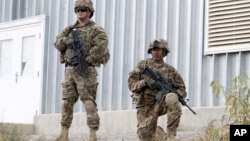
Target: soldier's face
<point>83,13</point>
<point>157,53</point>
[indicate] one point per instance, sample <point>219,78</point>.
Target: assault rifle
<point>165,86</point>
<point>78,54</point>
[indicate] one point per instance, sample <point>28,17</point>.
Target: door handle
<point>16,76</point>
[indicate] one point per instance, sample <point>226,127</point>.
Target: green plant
<point>237,109</point>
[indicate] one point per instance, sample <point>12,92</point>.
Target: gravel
<point>184,135</point>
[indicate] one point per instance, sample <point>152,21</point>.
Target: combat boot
<point>64,134</point>
<point>160,134</point>
<point>171,137</point>
<point>92,135</point>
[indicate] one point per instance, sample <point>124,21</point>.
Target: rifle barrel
<point>191,109</point>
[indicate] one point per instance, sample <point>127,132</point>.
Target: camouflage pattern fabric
<point>95,43</point>
<point>143,96</point>
<point>82,85</point>
<point>87,3</point>
<point>159,43</point>
<point>85,87</point>
<point>60,44</point>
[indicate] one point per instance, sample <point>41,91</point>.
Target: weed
<point>237,109</point>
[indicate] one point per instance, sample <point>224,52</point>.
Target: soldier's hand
<point>69,41</point>
<point>151,83</point>
<point>89,59</point>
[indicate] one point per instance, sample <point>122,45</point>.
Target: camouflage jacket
<point>95,42</point>
<point>142,94</point>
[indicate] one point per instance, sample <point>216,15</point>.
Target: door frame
<point>43,22</point>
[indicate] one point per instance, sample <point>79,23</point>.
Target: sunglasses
<point>83,9</point>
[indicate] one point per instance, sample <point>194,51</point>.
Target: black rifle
<point>78,54</point>
<point>165,86</point>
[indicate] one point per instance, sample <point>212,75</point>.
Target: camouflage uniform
<point>148,110</point>
<point>83,85</point>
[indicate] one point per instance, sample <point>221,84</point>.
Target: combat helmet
<point>159,43</point>
<point>85,3</point>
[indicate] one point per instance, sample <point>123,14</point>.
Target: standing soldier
<point>82,47</point>
<point>144,90</point>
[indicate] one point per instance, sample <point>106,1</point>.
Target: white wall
<point>131,25</point>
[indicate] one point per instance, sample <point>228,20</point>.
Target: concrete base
<point>123,122</point>
<point>27,129</point>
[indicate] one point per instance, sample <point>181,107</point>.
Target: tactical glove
<point>151,83</point>
<point>69,42</point>
<point>90,59</point>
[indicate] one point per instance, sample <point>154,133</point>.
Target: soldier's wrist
<point>144,83</point>
<point>151,83</point>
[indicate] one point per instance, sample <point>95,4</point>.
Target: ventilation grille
<point>228,23</point>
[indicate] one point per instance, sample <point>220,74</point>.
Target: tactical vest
<point>87,34</point>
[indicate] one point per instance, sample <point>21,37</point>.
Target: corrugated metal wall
<point>131,25</point>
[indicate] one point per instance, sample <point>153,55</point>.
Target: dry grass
<point>10,135</point>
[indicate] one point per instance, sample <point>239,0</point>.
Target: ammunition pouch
<point>136,98</point>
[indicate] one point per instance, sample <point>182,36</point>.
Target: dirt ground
<point>193,135</point>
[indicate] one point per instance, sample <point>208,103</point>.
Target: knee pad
<point>171,99</point>
<point>90,106</point>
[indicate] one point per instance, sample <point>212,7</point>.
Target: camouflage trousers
<point>147,117</point>
<point>84,86</point>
